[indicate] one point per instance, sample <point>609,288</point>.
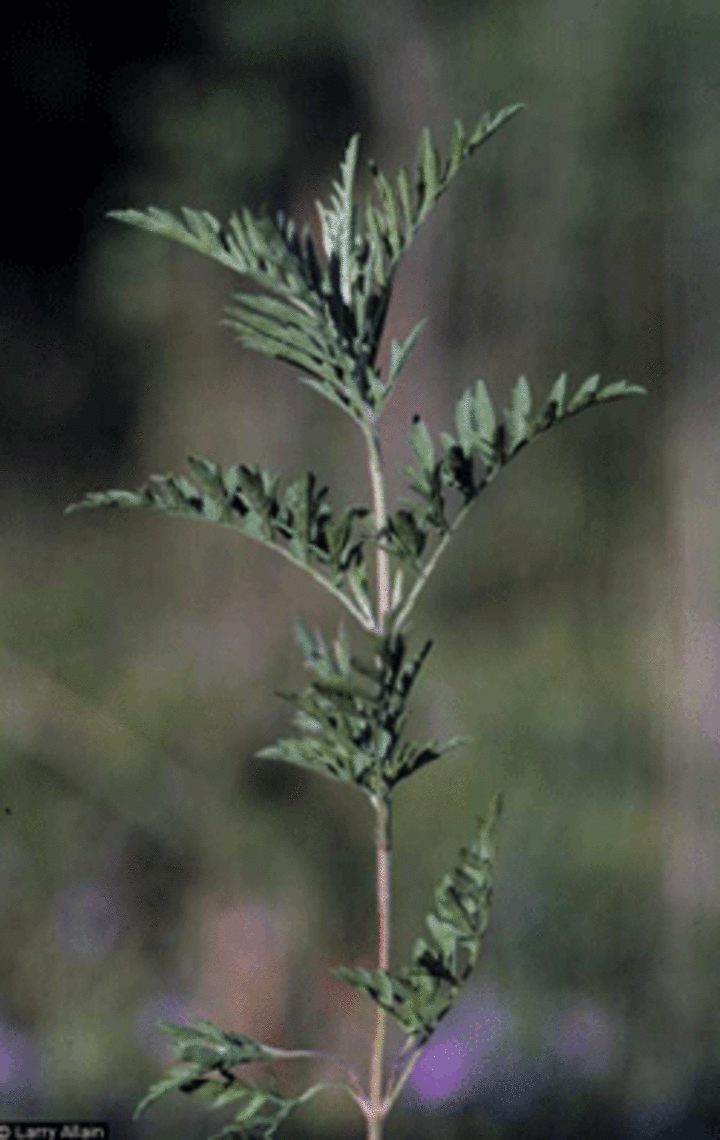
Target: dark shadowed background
<point>150,866</point>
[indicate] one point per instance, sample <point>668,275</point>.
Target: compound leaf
<point>207,1048</point>
<point>430,181</point>
<point>299,523</point>
<point>417,997</point>
<point>479,436</point>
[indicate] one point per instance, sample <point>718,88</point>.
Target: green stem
<point>380,518</point>
<point>297,1054</point>
<point>383,848</point>
<point>413,1059</point>
<point>427,569</point>
<point>323,581</point>
<point>429,566</point>
<point>375,1108</point>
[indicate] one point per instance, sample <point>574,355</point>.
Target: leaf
<point>422,445</point>
<point>396,598</point>
<point>414,756</point>
<point>304,639</point>
<point>300,524</point>
<point>342,551</point>
<point>404,536</point>
<point>306,328</point>
<point>275,329</point>
<point>389,991</point>
<point>475,422</point>
<point>621,388</point>
<point>391,220</point>
<point>556,399</point>
<point>351,733</point>
<point>341,647</point>
<point>199,230</point>
<point>211,479</point>
<point>404,194</point>
<point>399,353</point>
<point>457,151</point>
<point>207,1048</point>
<point>483,412</point>
<point>491,123</point>
<point>414,996</point>
<point>358,583</point>
<point>337,220</point>
<point>385,233</point>
<point>419,482</point>
<point>517,419</point>
<point>108,499</point>
<point>429,171</point>
<point>585,394</point>
<point>341,399</point>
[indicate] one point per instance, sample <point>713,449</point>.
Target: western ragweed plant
<point>326,318</point>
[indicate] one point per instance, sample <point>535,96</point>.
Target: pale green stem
<point>428,568</point>
<point>334,590</point>
<point>376,1108</point>
<point>380,517</point>
<point>383,848</point>
<point>297,1054</point>
<point>359,1099</point>
<point>413,1059</point>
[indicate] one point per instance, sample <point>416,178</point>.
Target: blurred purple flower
<point>472,1042</point>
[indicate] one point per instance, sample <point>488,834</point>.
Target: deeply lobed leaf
<point>418,996</point>
<point>327,320</point>
<point>206,1048</point>
<point>300,522</point>
<point>480,439</point>
<point>352,731</point>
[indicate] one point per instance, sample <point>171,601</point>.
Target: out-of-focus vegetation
<point>149,865</point>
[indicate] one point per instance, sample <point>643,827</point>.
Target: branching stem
<point>432,561</point>
<point>321,579</point>
<point>298,1054</point>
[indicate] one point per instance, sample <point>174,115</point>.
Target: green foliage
<point>480,438</point>
<point>208,1048</point>
<point>328,321</point>
<point>299,523</point>
<point>415,996</point>
<point>327,318</point>
<point>352,734</point>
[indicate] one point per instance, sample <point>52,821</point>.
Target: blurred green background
<point>150,866</point>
